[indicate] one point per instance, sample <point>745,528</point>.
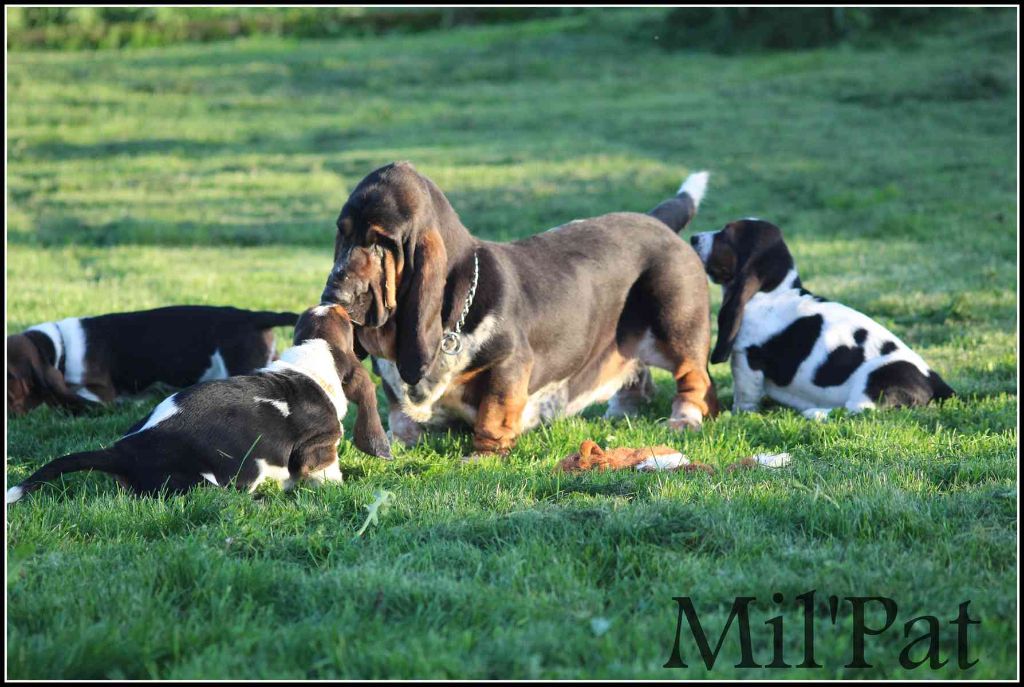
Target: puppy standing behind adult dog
<point>78,361</point>
<point>282,423</point>
<point>797,348</point>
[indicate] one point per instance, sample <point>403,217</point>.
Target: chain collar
<point>451,342</point>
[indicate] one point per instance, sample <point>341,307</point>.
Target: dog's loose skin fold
<point>559,320</point>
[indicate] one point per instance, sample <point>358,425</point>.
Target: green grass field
<point>213,174</point>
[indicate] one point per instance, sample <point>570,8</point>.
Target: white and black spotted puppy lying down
<point>799,349</point>
<point>281,423</point>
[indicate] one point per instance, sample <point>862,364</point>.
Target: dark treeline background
<point>717,29</point>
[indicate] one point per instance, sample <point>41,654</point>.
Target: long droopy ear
<point>730,315</point>
<point>390,281</point>
<point>54,389</point>
<point>419,313</point>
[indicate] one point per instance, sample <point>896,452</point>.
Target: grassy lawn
<point>213,174</point>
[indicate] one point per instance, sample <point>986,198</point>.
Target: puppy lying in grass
<point>78,362</point>
<point>281,423</point>
<point>797,348</point>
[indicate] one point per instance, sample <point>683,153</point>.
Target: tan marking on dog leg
<point>499,418</point>
<point>690,405</point>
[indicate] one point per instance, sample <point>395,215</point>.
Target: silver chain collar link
<point>451,342</point>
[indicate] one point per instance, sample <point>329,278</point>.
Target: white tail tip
<point>772,460</point>
<point>695,186</point>
<point>14,493</point>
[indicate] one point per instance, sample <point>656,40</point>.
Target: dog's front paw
<point>403,429</point>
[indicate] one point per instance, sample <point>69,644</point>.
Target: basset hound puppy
<point>503,336</point>
<point>75,362</point>
<point>797,348</point>
<point>281,423</point>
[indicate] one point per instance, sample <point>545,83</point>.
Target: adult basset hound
<point>82,360</point>
<point>798,348</point>
<point>281,423</point>
<point>504,336</point>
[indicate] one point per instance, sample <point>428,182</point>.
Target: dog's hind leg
<point>679,337</point>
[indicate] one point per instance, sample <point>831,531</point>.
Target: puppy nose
<point>694,240</point>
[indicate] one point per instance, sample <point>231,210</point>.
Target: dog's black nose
<point>693,240</point>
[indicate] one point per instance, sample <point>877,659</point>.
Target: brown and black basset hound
<point>504,336</point>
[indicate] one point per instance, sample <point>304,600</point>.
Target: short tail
<point>267,319</point>
<point>677,212</point>
<point>104,460</point>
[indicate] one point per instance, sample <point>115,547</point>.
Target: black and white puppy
<point>799,349</point>
<point>81,360</point>
<point>281,423</point>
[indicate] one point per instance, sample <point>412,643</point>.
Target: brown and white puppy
<point>281,423</point>
<point>76,362</point>
<point>553,323</point>
<point>799,349</point>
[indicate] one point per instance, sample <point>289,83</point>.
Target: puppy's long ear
<point>368,434</point>
<point>764,266</point>
<point>419,313</point>
<point>55,391</point>
<point>730,315</point>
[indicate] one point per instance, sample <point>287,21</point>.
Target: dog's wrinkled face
<point>23,363</point>
<point>367,285</point>
<point>390,245</point>
<point>727,252</point>
<point>378,228</point>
